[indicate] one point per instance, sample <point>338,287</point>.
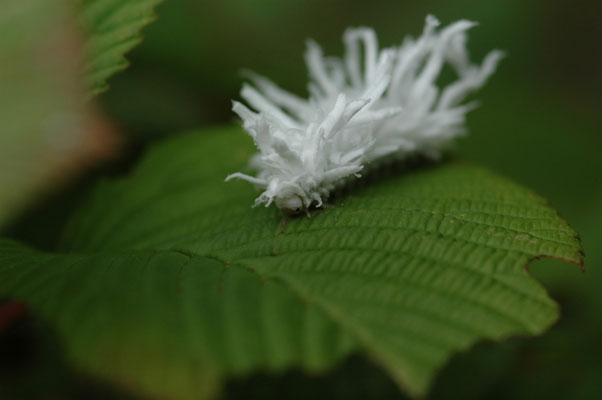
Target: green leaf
<point>168,323</point>
<point>412,267</point>
<point>113,28</point>
<point>48,131</point>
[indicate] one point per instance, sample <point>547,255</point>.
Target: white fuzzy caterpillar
<point>361,109</point>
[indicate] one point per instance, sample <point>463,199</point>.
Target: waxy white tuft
<point>361,109</point>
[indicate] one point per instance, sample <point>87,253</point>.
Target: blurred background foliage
<point>539,123</point>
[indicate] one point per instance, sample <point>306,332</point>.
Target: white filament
<point>358,112</point>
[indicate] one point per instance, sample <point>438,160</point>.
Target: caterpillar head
<point>291,205</point>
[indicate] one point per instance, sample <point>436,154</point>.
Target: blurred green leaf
<point>48,131</point>
<point>167,322</point>
<point>166,269</point>
<point>112,29</point>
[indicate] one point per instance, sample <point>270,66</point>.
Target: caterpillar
<point>369,106</point>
